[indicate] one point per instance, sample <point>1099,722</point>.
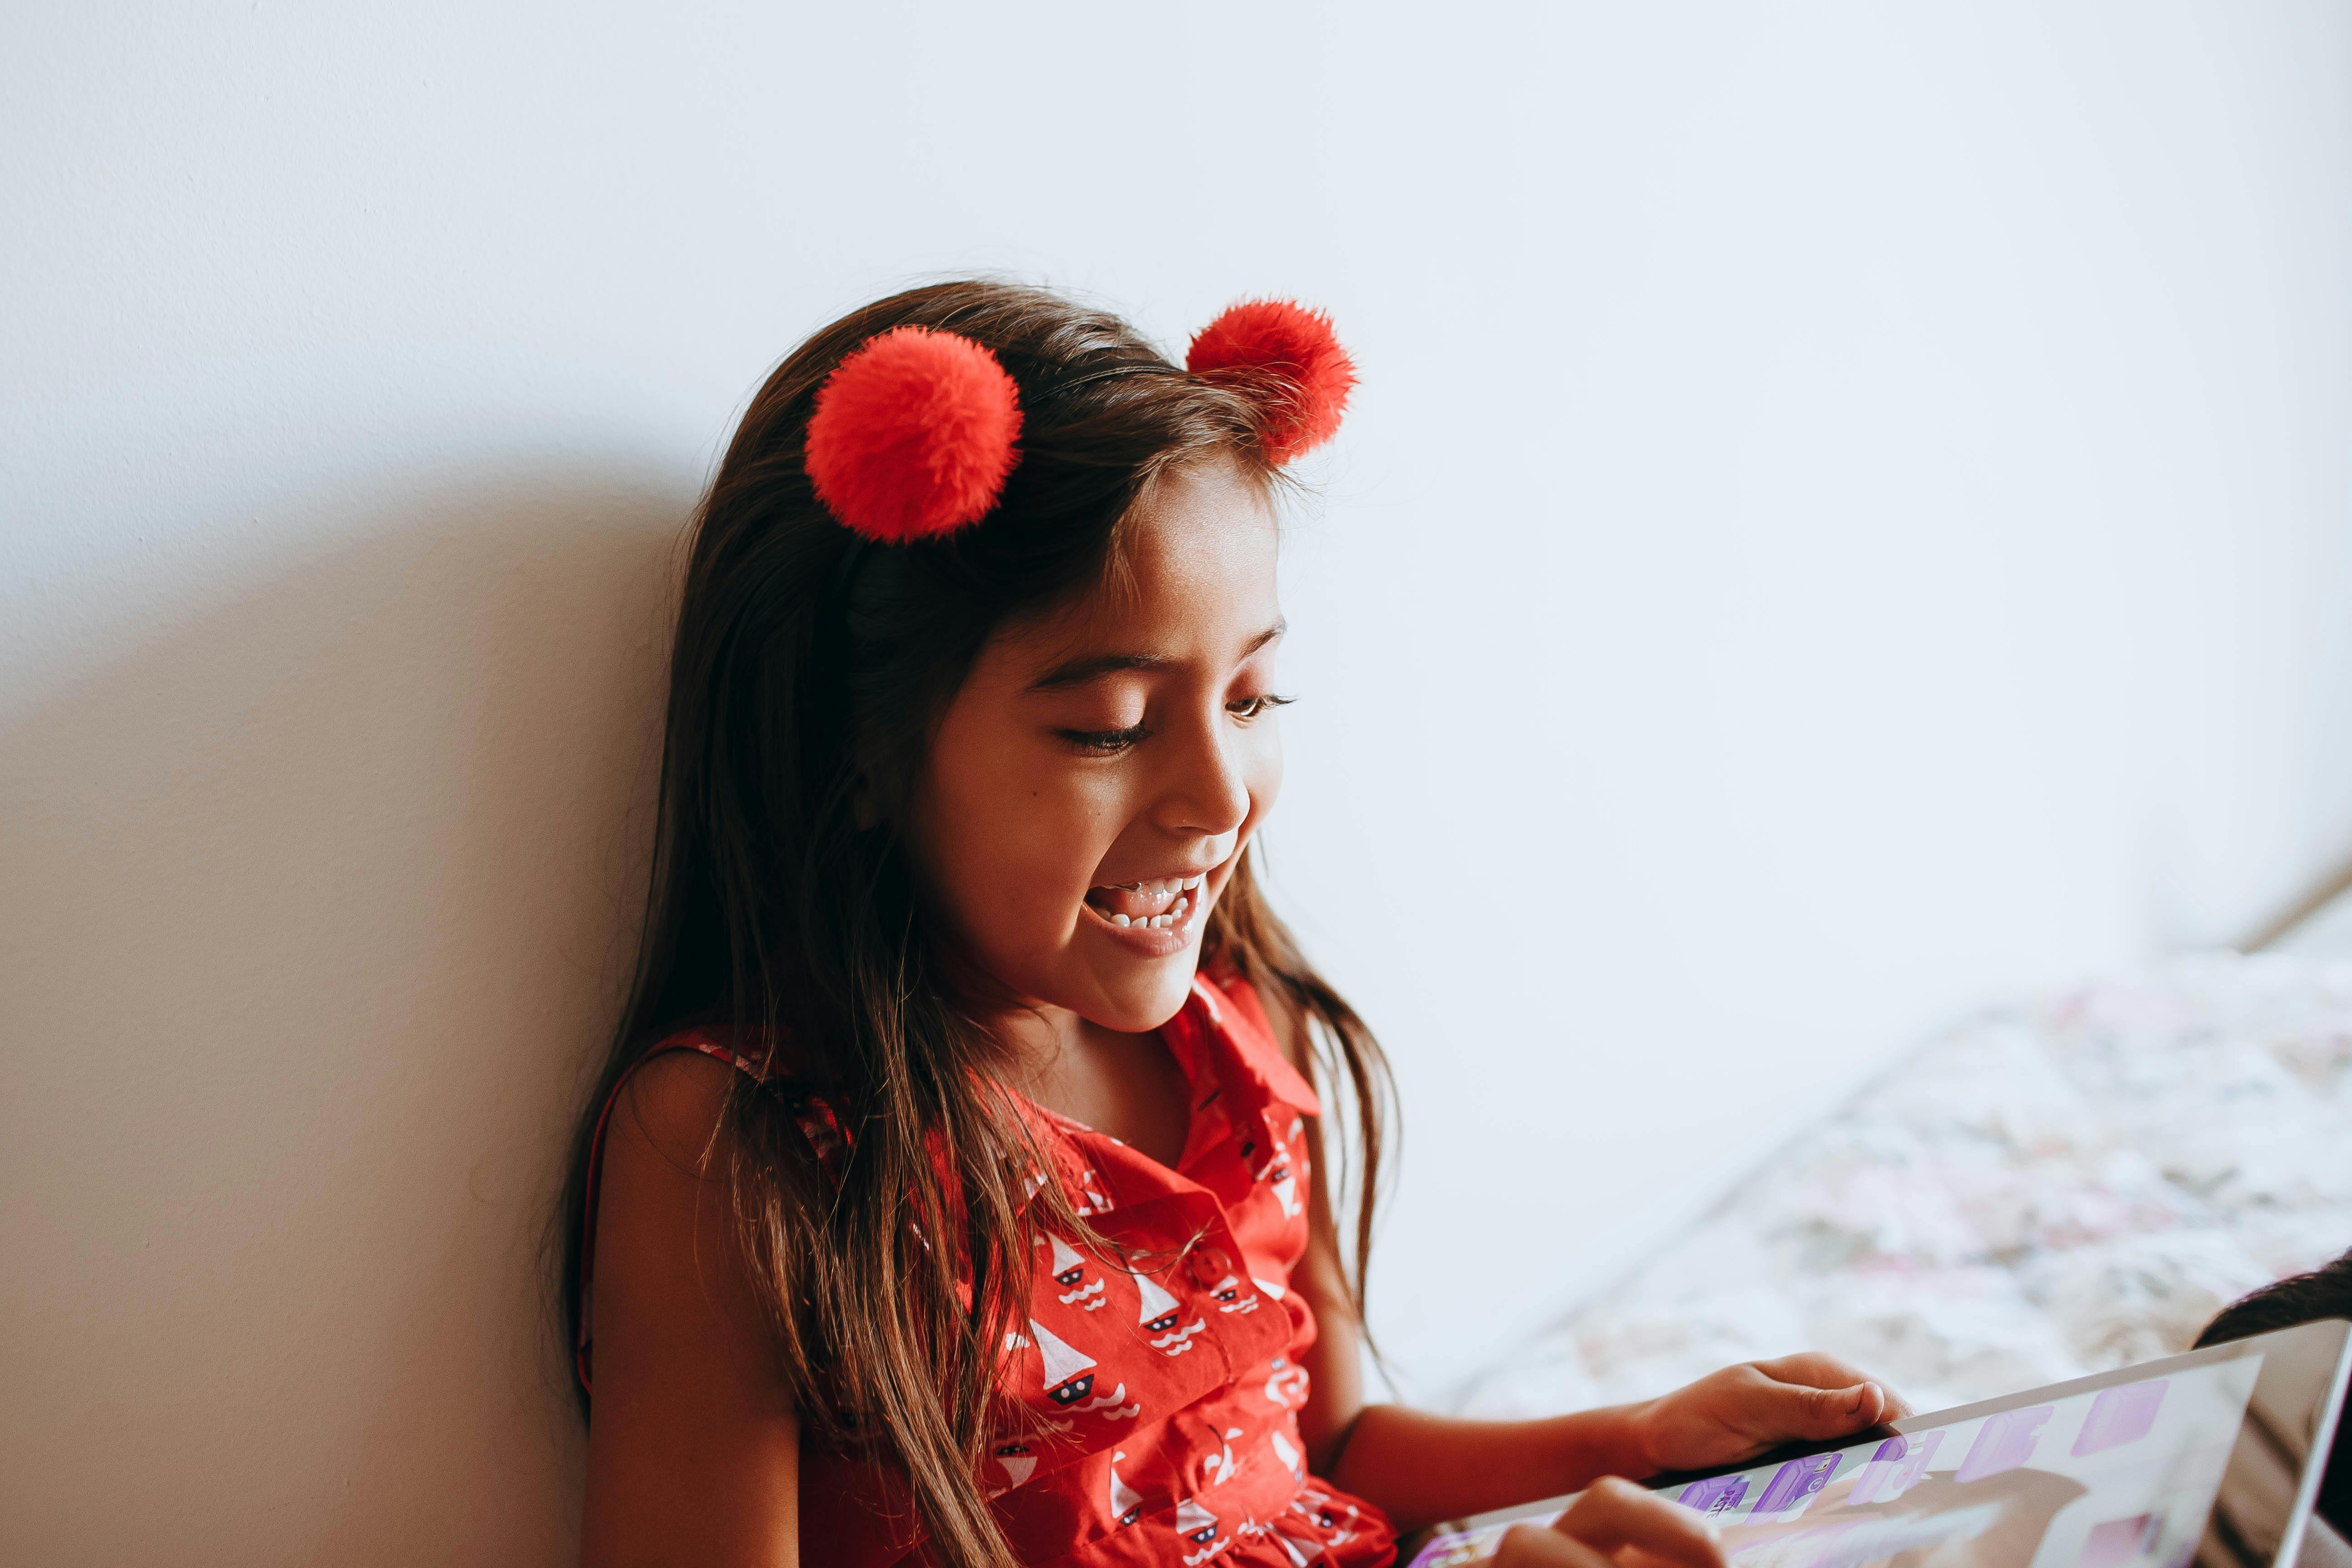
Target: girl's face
<point>1089,792</point>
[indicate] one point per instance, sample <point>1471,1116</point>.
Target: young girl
<point>955,1191</point>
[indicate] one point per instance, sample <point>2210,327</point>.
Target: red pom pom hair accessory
<point>1302,375</point>
<point>913,435</point>
<point>915,432</point>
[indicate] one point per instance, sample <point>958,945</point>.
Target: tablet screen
<point>2199,1460</point>
<point>2123,1478</point>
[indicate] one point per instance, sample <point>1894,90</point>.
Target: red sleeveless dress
<point>1159,1409</point>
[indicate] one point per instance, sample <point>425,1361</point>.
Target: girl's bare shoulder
<point>673,1108</point>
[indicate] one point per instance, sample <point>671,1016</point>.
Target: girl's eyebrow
<point>1094,667</point>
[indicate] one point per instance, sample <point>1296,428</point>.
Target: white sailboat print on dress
<point>1094,1201</point>
<point>1125,1502</point>
<point>1199,1526</point>
<point>1065,1386</point>
<point>1069,1374</point>
<point>1286,1192</point>
<point>1285,1385</point>
<point>1159,1317</point>
<point>1278,1174</point>
<point>1158,1314</point>
<point>1018,1463</point>
<point>1218,1468</point>
<point>1069,1268</point>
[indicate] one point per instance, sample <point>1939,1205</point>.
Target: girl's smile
<point>1157,916</point>
<point>1154,903</point>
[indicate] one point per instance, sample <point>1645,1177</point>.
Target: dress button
<point>1207,1266</point>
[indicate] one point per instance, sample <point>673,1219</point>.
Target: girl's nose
<point>1207,791</point>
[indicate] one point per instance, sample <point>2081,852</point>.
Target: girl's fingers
<point>1540,1546</point>
<point>1614,1514</point>
<point>1897,1408</point>
<point>1785,1410</point>
<point>1832,1397</point>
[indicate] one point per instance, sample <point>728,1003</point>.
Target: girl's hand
<point>1615,1524</point>
<point>1741,1411</point>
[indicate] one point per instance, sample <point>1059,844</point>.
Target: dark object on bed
<point>2325,1292</point>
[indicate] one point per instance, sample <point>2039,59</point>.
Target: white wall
<point>1846,516</point>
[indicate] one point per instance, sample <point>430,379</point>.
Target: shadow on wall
<point>324,899</point>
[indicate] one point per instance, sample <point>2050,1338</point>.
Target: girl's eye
<point>1104,743</point>
<point>1111,742</point>
<point>1249,707</point>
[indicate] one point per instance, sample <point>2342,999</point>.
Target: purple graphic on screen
<point>1794,1485</point>
<point>2119,1416</point>
<point>1877,1468</point>
<point>2005,1442</point>
<point>2118,1542</point>
<point>1715,1498</point>
<point>1895,1468</point>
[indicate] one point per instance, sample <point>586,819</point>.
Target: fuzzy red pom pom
<point>1308,375</point>
<point>913,434</point>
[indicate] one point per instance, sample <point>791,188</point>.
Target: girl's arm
<point>1422,1468</point>
<point>693,1447</point>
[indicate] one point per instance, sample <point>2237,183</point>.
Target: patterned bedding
<point>2041,1193</point>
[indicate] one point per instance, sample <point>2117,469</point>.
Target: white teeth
<point>1174,888</point>
<point>1173,916</point>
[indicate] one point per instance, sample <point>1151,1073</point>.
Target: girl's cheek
<point>1054,837</point>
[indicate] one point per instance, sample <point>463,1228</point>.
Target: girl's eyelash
<point>1110,742</point>
<point>1104,743</point>
<point>1249,707</point>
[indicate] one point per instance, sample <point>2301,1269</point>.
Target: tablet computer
<point>2205,1460</point>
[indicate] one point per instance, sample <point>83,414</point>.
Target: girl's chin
<point>1134,1015</point>
<point>1136,996</point>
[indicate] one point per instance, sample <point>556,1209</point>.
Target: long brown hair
<point>806,669</point>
